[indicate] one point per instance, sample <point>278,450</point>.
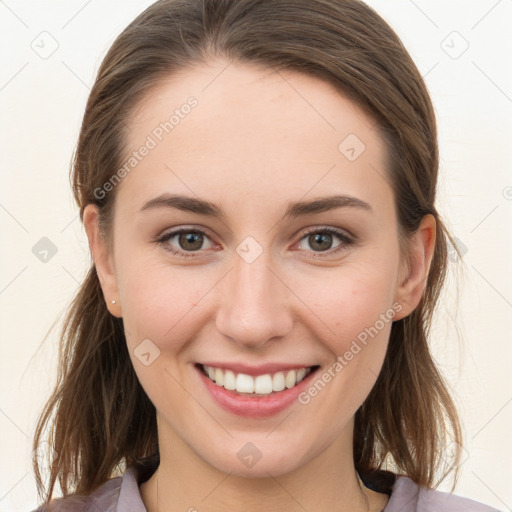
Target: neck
<point>329,482</point>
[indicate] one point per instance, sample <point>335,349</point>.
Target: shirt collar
<point>130,499</point>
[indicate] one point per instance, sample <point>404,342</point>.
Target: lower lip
<point>254,407</point>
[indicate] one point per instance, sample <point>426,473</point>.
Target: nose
<point>254,303</point>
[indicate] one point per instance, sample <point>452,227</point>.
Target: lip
<point>256,370</point>
<point>254,407</point>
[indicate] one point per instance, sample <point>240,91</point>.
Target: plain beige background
<point>50,54</point>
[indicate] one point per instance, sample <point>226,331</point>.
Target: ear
<point>414,274</point>
<point>103,260</point>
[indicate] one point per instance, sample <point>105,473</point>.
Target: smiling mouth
<point>260,385</point>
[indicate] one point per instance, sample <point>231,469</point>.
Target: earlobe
<point>422,246</point>
<point>103,260</point>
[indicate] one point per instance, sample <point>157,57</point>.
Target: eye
<point>189,241</point>
<point>321,240</point>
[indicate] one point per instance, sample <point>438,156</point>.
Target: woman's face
<point>288,259</point>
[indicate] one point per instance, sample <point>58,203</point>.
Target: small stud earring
<point>113,302</point>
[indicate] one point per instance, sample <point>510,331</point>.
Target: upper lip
<point>261,369</point>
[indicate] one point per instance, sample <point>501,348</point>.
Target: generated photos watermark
<point>152,140</point>
<point>355,347</point>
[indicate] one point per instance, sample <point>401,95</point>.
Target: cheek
<point>351,300</point>
<point>158,300</point>
<point>159,305</point>
<point>358,306</point>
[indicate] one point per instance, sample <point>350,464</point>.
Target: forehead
<point>254,131</point>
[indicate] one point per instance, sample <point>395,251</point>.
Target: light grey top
<point>122,494</point>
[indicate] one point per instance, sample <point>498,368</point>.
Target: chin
<point>259,458</point>
<point>273,465</point>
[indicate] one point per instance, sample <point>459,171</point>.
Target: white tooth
<point>278,382</point>
<point>244,383</point>
<point>229,380</point>
<point>211,372</point>
<point>263,384</point>
<point>291,379</point>
<point>219,377</point>
<point>301,374</point>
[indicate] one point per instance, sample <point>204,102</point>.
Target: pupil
<point>190,238</point>
<point>319,238</point>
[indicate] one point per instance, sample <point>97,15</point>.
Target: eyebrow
<point>293,210</point>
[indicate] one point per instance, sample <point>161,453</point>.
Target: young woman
<point>257,182</point>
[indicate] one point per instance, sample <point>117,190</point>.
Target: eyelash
<point>346,241</point>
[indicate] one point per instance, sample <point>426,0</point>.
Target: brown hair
<point>100,417</point>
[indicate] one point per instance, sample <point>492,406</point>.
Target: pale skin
<point>252,145</point>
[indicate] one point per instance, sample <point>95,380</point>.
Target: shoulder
<point>118,494</point>
<point>407,496</point>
